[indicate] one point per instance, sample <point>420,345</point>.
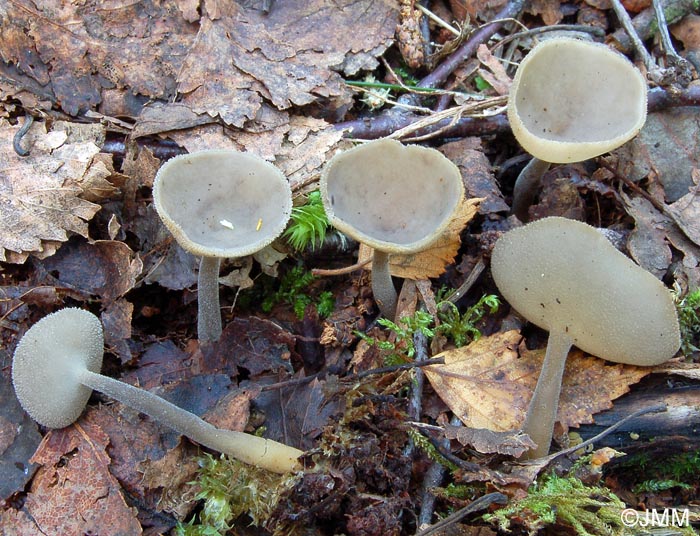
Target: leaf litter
<point>218,74</point>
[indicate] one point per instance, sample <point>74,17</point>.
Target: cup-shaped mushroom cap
<point>573,100</point>
<point>392,197</point>
<point>48,360</point>
<point>564,275</point>
<point>222,203</point>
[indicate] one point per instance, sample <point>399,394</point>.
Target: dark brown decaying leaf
<point>19,438</point>
<point>107,268</point>
<point>647,243</point>
<point>80,51</point>
<point>512,443</point>
<point>477,173</point>
<point>669,146</point>
<point>41,194</point>
<point>242,56</point>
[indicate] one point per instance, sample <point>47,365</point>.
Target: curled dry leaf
<point>489,383</point>
<point>512,443</point>
<point>42,195</point>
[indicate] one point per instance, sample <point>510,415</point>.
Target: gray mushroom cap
<point>392,197</point>
<point>564,276</point>
<point>573,100</point>
<point>222,203</point>
<point>47,362</point>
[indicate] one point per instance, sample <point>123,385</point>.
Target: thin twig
<point>17,140</point>
<point>479,504</point>
<point>321,272</point>
<point>479,267</point>
<point>644,411</point>
<point>468,49</point>
<point>626,22</point>
<point>437,20</point>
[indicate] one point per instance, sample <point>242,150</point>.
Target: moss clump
<point>230,489</point>
<point>589,510</point>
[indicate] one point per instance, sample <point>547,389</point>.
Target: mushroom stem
<point>209,315</point>
<point>247,448</point>
<point>539,422</point>
<point>382,285</point>
<point>526,186</point>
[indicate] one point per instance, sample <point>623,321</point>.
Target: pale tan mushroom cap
<point>222,203</point>
<point>47,361</point>
<point>573,100</point>
<point>391,197</point>
<point>564,275</point>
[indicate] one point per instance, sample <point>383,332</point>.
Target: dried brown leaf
<point>686,211</point>
<point>495,74</point>
<point>41,194</point>
<point>242,56</point>
<point>647,243</point>
<point>489,383</point>
<point>477,173</point>
<point>512,443</point>
<point>74,492</point>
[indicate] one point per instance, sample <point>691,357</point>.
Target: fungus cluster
<point>570,101</point>
<point>393,198</point>
<point>564,276</point>
<point>56,366</point>
<point>220,204</point>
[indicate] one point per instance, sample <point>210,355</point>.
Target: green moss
<point>461,328</point>
<point>589,510</point>
<point>689,320</point>
<point>292,290</point>
<point>308,224</point>
<point>230,489</point>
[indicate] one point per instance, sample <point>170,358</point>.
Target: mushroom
<point>564,276</point>
<point>393,198</point>
<point>56,366</point>
<point>570,101</point>
<point>220,204</point>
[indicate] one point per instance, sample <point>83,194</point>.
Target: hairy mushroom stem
<point>209,317</point>
<point>382,285</point>
<point>542,412</point>
<point>526,186</point>
<point>247,448</point>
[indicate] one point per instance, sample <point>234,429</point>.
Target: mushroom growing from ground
<point>56,366</point>
<point>393,198</point>
<point>570,101</point>
<point>220,204</point>
<point>565,277</point>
